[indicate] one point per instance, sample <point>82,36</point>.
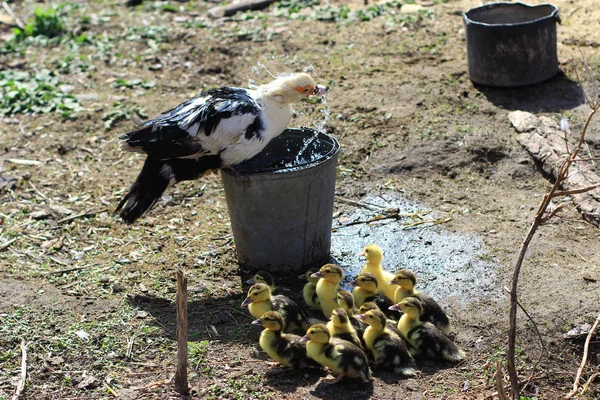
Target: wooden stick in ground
<point>21,385</point>
<point>10,12</point>
<point>181,378</point>
<point>586,347</point>
<point>499,381</point>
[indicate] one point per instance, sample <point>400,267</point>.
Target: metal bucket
<point>281,202</point>
<point>511,44</point>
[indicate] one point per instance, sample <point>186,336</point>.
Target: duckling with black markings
<point>328,287</point>
<point>367,291</point>
<point>388,349</point>
<point>340,327</point>
<point>424,338</point>
<point>341,356</point>
<point>432,311</point>
<point>309,292</point>
<point>374,255</point>
<point>266,278</point>
<point>283,348</point>
<point>346,301</point>
<point>368,306</point>
<point>260,300</point>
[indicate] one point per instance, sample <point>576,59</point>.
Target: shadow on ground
<point>557,94</point>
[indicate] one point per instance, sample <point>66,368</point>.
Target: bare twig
<point>82,215</point>
<point>10,12</point>
<point>371,207</point>
<point>587,384</point>
<point>499,381</point>
<point>537,331</point>
<point>21,384</point>
<point>5,245</point>
<point>63,271</point>
<point>111,390</point>
<point>181,378</point>
<point>575,191</point>
<point>561,176</point>
<point>573,391</point>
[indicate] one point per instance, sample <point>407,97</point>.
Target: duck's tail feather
<point>155,177</point>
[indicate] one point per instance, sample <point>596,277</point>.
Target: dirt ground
<point>92,296</point>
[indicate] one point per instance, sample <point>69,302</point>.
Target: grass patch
<point>34,93</point>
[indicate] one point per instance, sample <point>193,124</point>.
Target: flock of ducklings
<point>383,323</point>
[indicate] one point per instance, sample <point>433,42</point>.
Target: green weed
<point>34,93</point>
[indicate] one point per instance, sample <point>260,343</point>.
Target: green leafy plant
<point>121,111</point>
<point>46,22</point>
<point>134,83</point>
<point>34,93</point>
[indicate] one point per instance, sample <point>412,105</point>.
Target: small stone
<point>104,280</point>
<point>142,314</point>
<point>117,287</point>
<point>155,67</point>
<point>41,214</point>
<point>410,8</point>
<point>523,121</point>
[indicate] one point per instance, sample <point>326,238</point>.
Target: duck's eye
<point>306,90</point>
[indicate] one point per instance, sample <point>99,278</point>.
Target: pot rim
<point>552,15</point>
<point>296,168</point>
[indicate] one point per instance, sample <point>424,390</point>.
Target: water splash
<point>269,68</point>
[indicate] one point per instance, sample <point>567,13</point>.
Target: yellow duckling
<point>283,348</point>
<point>266,278</point>
<point>432,311</point>
<point>424,337</point>
<point>340,327</point>
<point>366,290</point>
<point>341,356</point>
<point>374,255</point>
<point>388,349</point>
<point>346,301</point>
<point>368,306</point>
<point>309,292</point>
<point>259,301</point>
<point>328,287</point>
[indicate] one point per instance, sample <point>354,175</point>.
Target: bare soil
<point>88,293</point>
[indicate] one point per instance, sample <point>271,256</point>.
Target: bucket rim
<point>323,158</point>
<point>551,15</point>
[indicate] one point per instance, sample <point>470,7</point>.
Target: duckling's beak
<point>303,277</point>
<point>392,282</point>
<point>246,302</point>
<point>317,274</point>
<point>304,338</point>
<point>320,90</point>
<point>395,307</point>
<point>361,317</point>
<point>354,282</point>
<point>257,322</point>
<point>250,281</point>
<point>362,254</point>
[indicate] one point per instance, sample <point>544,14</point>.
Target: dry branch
<point>10,12</point>
<point>231,9</point>
<point>5,245</point>
<point>586,347</point>
<point>82,215</point>
<point>524,123</point>
<point>21,384</point>
<point>499,381</point>
<point>181,378</point>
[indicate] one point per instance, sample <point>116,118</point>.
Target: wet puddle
<point>450,266</point>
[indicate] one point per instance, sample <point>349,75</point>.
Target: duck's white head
<point>293,88</point>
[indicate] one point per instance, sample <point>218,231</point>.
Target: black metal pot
<point>511,44</point>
